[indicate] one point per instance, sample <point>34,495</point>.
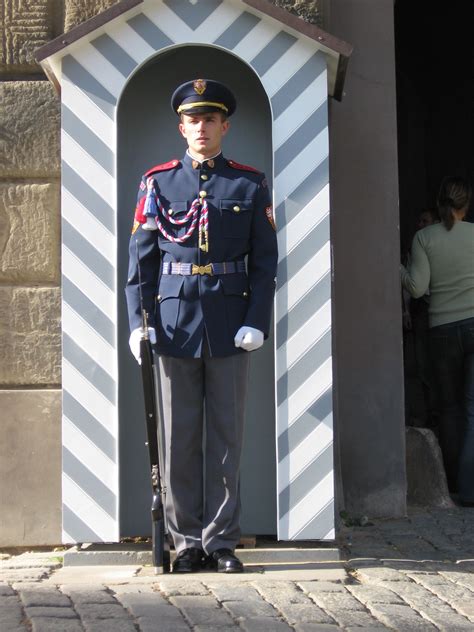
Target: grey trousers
<point>203,464</point>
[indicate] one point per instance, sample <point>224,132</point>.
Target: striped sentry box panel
<point>293,72</point>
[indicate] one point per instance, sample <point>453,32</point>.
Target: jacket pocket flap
<point>236,206</point>
<point>235,284</point>
<point>178,208</point>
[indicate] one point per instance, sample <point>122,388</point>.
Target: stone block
<point>400,617</point>
<point>94,611</point>
<point>20,576</point>
<point>29,130</point>
<point>148,624</point>
<point>50,612</point>
<point>305,612</point>
<point>147,605</point>
<point>257,624</point>
<point>6,591</point>
<point>200,610</point>
<point>375,594</point>
<point>83,596</point>
<point>113,625</point>
<point>26,26</point>
<point>30,236</point>
<point>180,588</point>
<point>30,469</point>
<point>250,609</point>
<point>51,624</point>
<point>12,617</point>
<point>30,340</point>
<point>325,627</point>
<point>44,598</point>
<point>426,477</point>
<point>33,560</point>
<point>308,10</point>
<point>78,11</point>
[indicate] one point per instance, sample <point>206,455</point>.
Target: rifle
<point>152,398</point>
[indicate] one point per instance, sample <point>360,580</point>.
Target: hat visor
<point>203,109</point>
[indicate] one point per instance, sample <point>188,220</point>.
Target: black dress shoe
<point>224,561</point>
<point>188,561</point>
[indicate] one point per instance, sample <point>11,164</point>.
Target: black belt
<point>186,269</point>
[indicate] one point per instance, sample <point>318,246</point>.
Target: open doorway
<point>148,135</point>
<point>435,96</point>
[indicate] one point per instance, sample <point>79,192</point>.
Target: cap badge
<point>199,86</point>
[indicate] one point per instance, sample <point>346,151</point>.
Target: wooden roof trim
<point>64,40</point>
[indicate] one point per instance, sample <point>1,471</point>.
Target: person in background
<point>442,261</point>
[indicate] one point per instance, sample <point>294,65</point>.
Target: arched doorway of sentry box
<point>147,134</point>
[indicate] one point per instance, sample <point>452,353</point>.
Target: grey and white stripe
<point>94,73</point>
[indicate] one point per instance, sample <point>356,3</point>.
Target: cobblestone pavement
<point>408,575</point>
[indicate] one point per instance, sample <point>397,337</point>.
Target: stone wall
<point>30,343</point>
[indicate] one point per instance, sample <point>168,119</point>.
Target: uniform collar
<point>209,163</point>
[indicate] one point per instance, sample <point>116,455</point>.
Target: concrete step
<point>140,555</point>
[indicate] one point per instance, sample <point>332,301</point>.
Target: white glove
<point>248,338</point>
<point>134,341</point>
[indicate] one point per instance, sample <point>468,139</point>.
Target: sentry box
<point>116,73</point>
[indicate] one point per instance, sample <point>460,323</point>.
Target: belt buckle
<point>195,269</point>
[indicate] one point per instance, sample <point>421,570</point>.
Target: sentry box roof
<point>195,12</point>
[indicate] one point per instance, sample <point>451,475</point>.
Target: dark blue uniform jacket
<point>186,309</point>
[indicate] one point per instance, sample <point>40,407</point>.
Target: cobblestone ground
<point>408,575</point>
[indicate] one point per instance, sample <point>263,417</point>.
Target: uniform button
<point>158,298</point>
<point>245,294</point>
<point>170,212</point>
<point>202,194</point>
<point>203,176</point>
<point>237,209</point>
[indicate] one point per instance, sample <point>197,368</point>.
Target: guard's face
<point>204,132</point>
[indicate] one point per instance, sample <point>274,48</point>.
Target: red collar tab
<point>236,165</point>
<point>172,164</point>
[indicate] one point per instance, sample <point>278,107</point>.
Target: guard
<point>205,234</point>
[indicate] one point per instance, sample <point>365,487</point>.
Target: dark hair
<point>454,195</point>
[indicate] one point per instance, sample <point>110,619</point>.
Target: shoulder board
<point>172,164</point>
<point>236,165</point>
